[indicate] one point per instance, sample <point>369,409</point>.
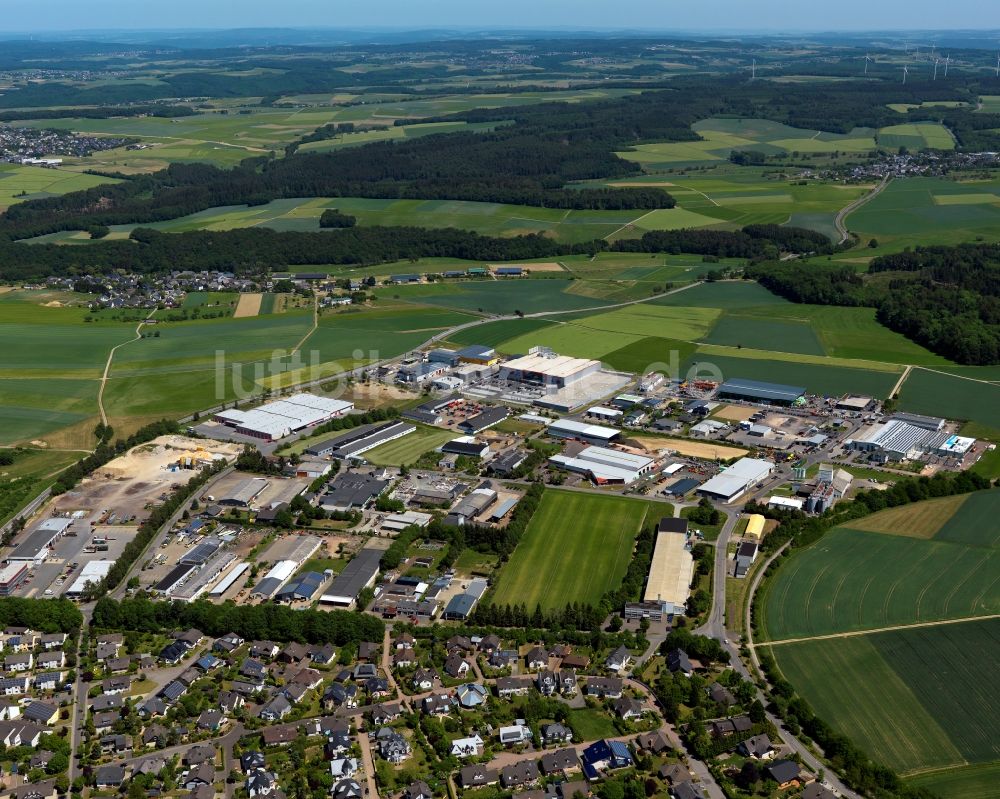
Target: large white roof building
<point>737,479</point>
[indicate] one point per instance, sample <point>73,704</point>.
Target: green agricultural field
<point>495,296</point>
<point>212,300</point>
<point>818,377</point>
<point>917,136</point>
<point>19,183</point>
<point>650,354</point>
<point>33,408</point>
<point>493,334</point>
<point>939,394</point>
<point>926,708</point>
<point>914,211</point>
<point>577,547</point>
<point>766,334</point>
<point>409,448</point>
<point>963,782</point>
<point>874,710</point>
<point>974,522</point>
<point>726,295</point>
<point>852,580</point>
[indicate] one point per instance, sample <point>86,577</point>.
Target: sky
<point>654,15</point>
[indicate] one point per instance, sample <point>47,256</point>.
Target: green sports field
<point>576,548</point>
<point>409,448</point>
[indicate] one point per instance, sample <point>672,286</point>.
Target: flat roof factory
<point>353,444</point>
<point>735,480</point>
<point>35,547</point>
<point>545,368</point>
<point>245,492</point>
<point>275,420</point>
<point>605,466</point>
<point>92,572</point>
<point>670,572</point>
<point>759,391</point>
<point>593,433</point>
<point>357,575</point>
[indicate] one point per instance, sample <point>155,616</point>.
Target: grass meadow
<point>576,547</point>
<point>19,183</point>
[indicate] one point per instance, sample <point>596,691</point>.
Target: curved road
<point>854,206</point>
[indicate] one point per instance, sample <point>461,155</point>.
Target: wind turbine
<point>998,65</point>
<point>936,62</point>
<point>753,70</point>
<point>868,59</point>
<point>947,61</point>
<point>906,71</point>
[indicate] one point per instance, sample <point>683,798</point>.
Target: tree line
<point>946,299</point>
<point>44,615</point>
<point>267,621</point>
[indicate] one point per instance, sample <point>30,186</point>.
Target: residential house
<point>519,774</point>
<point>347,789</point>
<point>514,734</point>
<point>324,655</point>
<point>423,679</point>
<point>437,704</point>
<point>392,746</point>
<point>265,650</point>
<point>555,733</point>
<point>198,754</point>
<point>603,687</point>
<point>686,790</point>
<point>261,782</point>
<point>467,747</point>
<point>679,663</point>
<point>537,658</point>
<point>547,682</point>
<point>619,660</point>
<point>51,660</point>
<point>211,720</point>
<point>384,714</point>
<point>561,760</point>
<point>418,790</point>
<point>653,742</point>
<point>456,666</point>
<point>251,761</point>
<point>786,773</point>
<point>627,708</point>
<point>343,767</point>
<point>508,687</point>
<point>109,777</point>
<point>758,747</point>
<point>605,755</point>
<point>477,776</point>
<point>276,709</point>
<point>567,681</point>
<point>673,773</point>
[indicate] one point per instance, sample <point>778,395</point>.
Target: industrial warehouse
<point>734,481</point>
<point>273,421</point>
<point>606,466</point>
<point>545,368</point>
<point>353,444</point>
<point>758,391</point>
<point>672,567</point>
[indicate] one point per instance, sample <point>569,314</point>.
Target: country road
<point>847,210</point>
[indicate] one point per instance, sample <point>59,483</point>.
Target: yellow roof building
<point>755,526</point>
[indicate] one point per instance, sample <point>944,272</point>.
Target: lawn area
<point>576,547</point>
<point>474,562</point>
<point>409,448</point>
<point>590,724</point>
